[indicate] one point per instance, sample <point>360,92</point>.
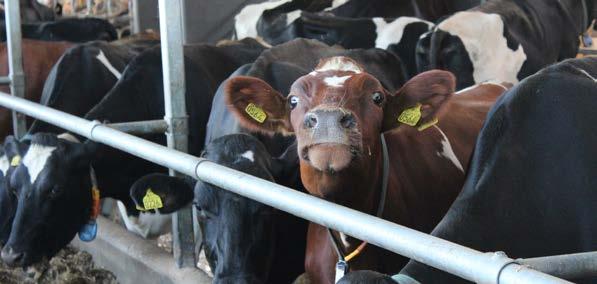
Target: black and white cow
<point>530,190</point>
<point>10,156</point>
<point>504,40</point>
<point>398,35</point>
<point>83,76</point>
<point>52,181</point>
<point>70,29</point>
<point>281,21</point>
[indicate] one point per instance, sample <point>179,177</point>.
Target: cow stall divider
<point>476,266</point>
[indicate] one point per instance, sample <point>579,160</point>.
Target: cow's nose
<point>310,120</point>
<point>347,120</point>
<point>10,257</point>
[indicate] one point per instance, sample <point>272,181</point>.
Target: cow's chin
<point>330,158</point>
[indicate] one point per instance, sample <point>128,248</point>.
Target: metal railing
<point>453,258</point>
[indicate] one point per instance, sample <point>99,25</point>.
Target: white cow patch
<point>336,81</point>
<point>245,22</point>
<point>104,60</point>
<point>36,158</point>
<point>248,155</point>
<point>483,38</point>
<point>391,33</point>
<point>68,137</point>
<point>4,164</point>
<point>587,74</point>
<point>290,17</point>
<point>447,151</point>
<point>339,63</point>
<point>336,4</point>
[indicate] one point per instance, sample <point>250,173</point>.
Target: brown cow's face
<point>337,113</point>
<point>336,116</point>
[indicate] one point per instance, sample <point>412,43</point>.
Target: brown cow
<point>338,113</point>
<point>38,59</point>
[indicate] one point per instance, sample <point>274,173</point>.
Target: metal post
<point>73,6</point>
<point>89,6</point>
<point>15,62</point>
<point>176,116</point>
<point>109,9</point>
<point>567,266</point>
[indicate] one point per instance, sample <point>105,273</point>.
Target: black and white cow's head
<point>10,157</point>
<point>238,233</point>
<point>473,45</point>
<point>53,187</point>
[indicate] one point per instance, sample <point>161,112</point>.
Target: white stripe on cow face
<point>104,60</point>
<point>447,151</point>
<point>391,33</point>
<point>336,81</point>
<point>245,22</point>
<point>4,164</point>
<point>36,158</point>
<point>483,38</point>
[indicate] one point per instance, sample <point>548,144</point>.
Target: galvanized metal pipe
<point>15,61</point>
<point>183,237</point>
<point>4,80</point>
<point>456,259</point>
<point>141,127</point>
<point>567,266</point>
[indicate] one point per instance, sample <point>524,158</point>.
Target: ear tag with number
<point>152,200</point>
<point>428,124</point>
<point>88,231</point>
<point>16,160</point>
<point>411,116</point>
<point>256,112</point>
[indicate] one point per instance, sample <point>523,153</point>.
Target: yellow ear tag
<point>152,200</point>
<point>256,112</point>
<point>411,116</point>
<point>428,124</point>
<point>140,208</point>
<point>16,160</point>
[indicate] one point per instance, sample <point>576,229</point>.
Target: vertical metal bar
<point>89,6</point>
<point>109,9</point>
<point>15,62</point>
<point>177,119</point>
<point>134,11</point>
<point>73,6</point>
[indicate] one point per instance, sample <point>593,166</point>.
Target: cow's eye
<point>377,98</point>
<point>56,190</point>
<point>293,101</point>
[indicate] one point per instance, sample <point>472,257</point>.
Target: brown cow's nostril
<point>310,120</point>
<point>347,121</point>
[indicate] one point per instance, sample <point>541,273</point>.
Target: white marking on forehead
<point>69,137</point>
<point>587,74</point>
<point>104,60</point>
<point>4,164</point>
<point>336,81</point>
<point>245,22</point>
<point>36,158</point>
<point>290,17</point>
<point>248,155</point>
<point>391,33</point>
<point>447,151</point>
<point>336,4</point>
<point>339,63</point>
<point>483,38</point>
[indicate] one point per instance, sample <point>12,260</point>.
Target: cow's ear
<point>14,150</point>
<point>257,105</point>
<point>162,193</point>
<point>419,101</point>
